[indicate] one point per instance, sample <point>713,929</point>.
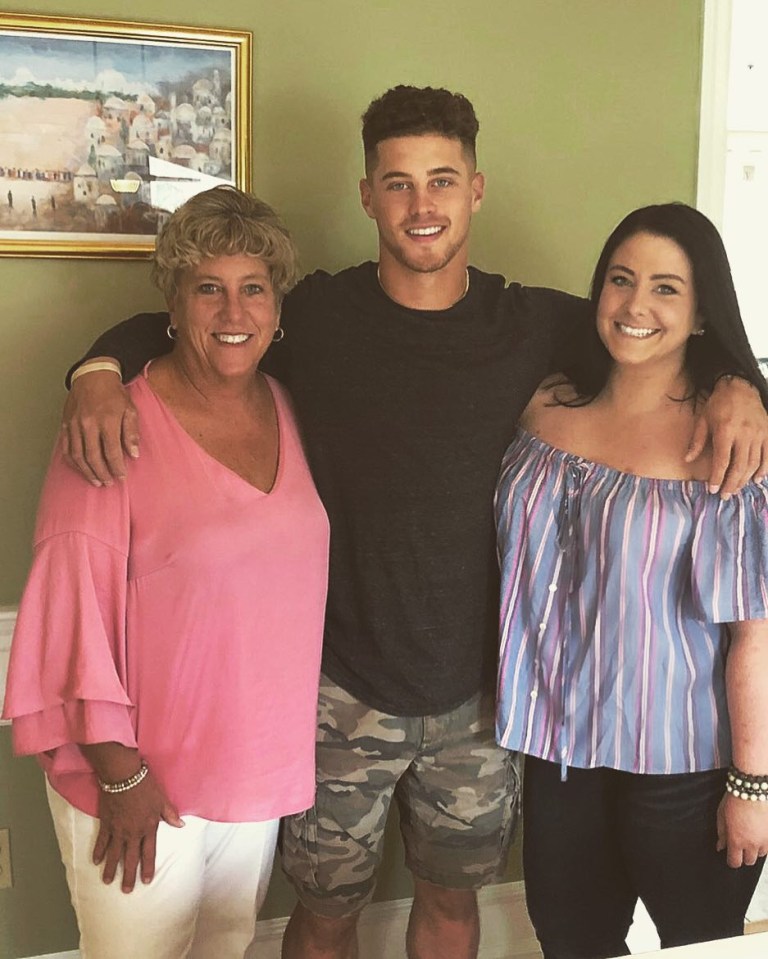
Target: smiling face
<point>647,306</point>
<point>226,313</point>
<point>422,192</point>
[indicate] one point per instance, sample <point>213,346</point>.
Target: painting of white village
<point>108,138</point>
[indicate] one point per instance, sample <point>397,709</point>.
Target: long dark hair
<point>724,347</point>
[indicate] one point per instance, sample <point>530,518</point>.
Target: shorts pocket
<point>512,805</point>
<point>298,848</point>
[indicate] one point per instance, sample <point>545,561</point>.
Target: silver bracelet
<point>124,785</point>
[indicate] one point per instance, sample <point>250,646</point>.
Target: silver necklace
<point>458,300</point>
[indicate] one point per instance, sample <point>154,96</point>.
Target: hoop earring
<point>171,332</point>
<point>279,334</point>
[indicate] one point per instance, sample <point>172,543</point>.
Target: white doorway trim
<point>715,69</point>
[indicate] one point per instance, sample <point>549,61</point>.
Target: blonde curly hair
<point>224,221</point>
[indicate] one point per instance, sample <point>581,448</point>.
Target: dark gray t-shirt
<point>405,416</point>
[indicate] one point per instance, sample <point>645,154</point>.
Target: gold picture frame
<point>107,125</point>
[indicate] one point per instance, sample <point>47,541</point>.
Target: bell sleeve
<point>729,571</point>
<point>67,676</point>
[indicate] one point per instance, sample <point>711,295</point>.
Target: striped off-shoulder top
<point>614,591</point>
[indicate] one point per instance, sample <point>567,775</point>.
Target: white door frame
<point>715,68</point>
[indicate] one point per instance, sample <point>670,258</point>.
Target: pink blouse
<point>180,612</point>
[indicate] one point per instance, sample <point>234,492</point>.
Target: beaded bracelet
<point>124,785</point>
<point>746,786</point>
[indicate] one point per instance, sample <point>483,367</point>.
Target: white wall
<point>745,209</point>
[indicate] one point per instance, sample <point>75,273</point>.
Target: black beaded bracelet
<point>746,786</point>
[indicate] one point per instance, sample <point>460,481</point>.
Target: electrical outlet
<point>6,876</point>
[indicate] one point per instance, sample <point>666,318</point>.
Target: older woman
<point>166,657</point>
<point>634,650</point>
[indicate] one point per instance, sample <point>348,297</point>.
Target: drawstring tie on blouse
<point>569,542</point>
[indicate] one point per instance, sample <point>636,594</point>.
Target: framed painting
<point>107,126</point>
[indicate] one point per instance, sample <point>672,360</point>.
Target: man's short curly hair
<point>414,111</point>
<point>224,221</point>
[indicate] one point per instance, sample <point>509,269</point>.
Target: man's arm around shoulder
<point>100,423</point>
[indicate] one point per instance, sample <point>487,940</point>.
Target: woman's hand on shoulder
<point>99,424</point>
<point>742,830</point>
<point>128,824</point>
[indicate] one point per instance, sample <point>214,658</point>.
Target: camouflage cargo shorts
<point>456,790</point>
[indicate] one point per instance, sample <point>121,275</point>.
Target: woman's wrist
<point>749,786</point>
<point>112,762</point>
<point>124,785</point>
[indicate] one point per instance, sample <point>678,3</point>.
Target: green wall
<point>587,108</point>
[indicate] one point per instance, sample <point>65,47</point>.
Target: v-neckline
<point>209,456</point>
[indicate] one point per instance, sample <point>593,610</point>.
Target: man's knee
<point>321,931</point>
<point>452,905</point>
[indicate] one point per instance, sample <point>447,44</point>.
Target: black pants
<point>593,844</point>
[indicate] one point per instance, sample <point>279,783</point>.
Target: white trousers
<point>210,880</point>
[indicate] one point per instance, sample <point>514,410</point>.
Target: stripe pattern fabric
<point>615,589</point>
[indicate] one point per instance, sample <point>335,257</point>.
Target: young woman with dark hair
<point>725,345</point>
<point>634,626</point>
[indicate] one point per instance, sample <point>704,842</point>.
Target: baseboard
<point>506,929</point>
<point>59,955</point>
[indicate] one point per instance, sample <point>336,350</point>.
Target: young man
<point>408,377</point>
